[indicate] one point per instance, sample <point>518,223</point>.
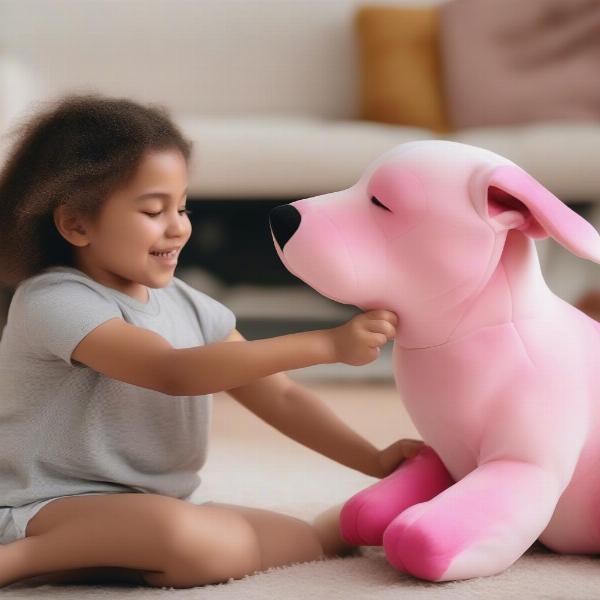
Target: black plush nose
<point>284,221</point>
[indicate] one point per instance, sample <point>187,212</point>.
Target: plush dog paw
<point>361,521</point>
<point>365,517</point>
<point>417,545</point>
<point>413,546</point>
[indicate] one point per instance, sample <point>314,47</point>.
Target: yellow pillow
<point>401,78</point>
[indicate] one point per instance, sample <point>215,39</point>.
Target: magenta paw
<point>366,515</point>
<point>414,546</point>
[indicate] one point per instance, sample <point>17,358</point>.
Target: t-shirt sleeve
<point>217,321</point>
<point>57,315</point>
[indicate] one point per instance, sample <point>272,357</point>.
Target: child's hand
<point>358,341</point>
<point>391,457</point>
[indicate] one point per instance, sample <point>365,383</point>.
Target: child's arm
<point>141,357</point>
<point>302,416</point>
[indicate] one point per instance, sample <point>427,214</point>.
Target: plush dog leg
<point>366,515</point>
<point>477,527</point>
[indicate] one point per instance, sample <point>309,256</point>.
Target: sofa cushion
<point>400,66</point>
<point>294,157</point>
<point>561,155</point>
<point>283,157</point>
<point>509,61</point>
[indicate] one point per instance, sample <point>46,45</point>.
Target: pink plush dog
<point>500,376</point>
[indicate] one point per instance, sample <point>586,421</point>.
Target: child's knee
<point>204,549</point>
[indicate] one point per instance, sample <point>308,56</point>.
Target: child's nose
<point>177,225</point>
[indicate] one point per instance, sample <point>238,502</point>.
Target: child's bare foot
<point>327,525</point>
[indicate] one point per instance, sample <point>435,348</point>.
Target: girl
<point>108,363</point>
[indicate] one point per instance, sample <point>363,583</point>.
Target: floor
<point>243,444</point>
<point>250,463</point>
<point>373,408</point>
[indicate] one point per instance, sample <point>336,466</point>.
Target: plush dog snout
<point>284,221</point>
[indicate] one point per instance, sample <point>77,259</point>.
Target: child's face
<point>140,219</point>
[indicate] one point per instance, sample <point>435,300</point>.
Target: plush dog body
<point>500,376</point>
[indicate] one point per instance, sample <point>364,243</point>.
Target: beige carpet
<point>252,464</point>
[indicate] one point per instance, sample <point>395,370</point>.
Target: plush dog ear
<point>515,200</point>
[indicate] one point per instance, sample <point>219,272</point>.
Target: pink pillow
<point>510,61</point>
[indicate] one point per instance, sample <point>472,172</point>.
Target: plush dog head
<point>422,230</point>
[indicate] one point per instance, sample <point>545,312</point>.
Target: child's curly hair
<point>76,152</point>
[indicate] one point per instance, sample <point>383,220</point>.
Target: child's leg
<point>168,542</point>
<point>277,533</point>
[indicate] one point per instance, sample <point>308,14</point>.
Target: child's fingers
<point>381,326</point>
<point>411,448</point>
<point>386,315</point>
<point>376,339</point>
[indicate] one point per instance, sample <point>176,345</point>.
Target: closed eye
<point>183,211</point>
<point>376,202</point>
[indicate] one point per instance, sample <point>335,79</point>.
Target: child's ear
<point>70,225</point>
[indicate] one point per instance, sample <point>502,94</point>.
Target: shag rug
<point>252,464</point>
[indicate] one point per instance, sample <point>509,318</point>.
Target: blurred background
<point>285,99</point>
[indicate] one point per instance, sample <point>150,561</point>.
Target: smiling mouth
<point>168,254</point>
<point>166,259</point>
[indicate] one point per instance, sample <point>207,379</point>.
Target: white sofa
<point>267,89</point>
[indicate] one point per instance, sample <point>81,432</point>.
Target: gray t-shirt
<point>67,429</point>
